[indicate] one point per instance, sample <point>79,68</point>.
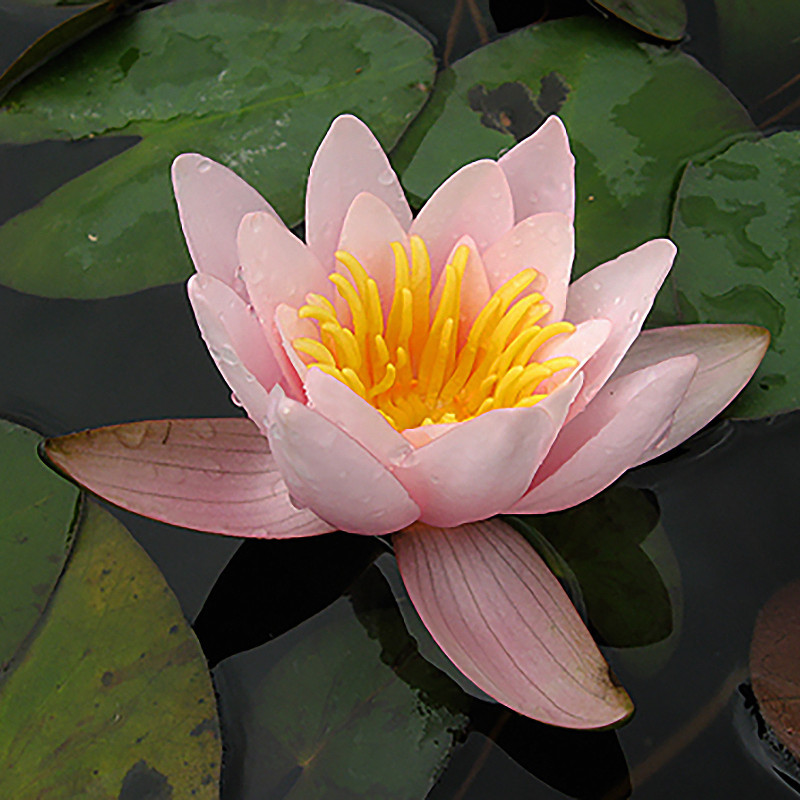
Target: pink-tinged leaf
<point>541,172</point>
<point>502,618</point>
<point>545,242</point>
<point>332,474</point>
<point>480,467</point>
<point>625,418</point>
<point>621,291</point>
<point>475,201</point>
<point>775,665</point>
<point>727,357</point>
<point>349,161</point>
<point>214,475</point>
<point>211,202</point>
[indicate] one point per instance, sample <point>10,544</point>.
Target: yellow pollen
<point>409,365</point>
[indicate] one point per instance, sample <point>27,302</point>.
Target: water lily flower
<point>422,375</point>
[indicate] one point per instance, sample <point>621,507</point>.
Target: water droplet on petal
<point>386,178</point>
<point>635,315</point>
<point>228,355</point>
<point>204,166</point>
<point>617,301</point>
<point>235,400</point>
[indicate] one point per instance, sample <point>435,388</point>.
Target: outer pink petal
<point>482,466</point>
<point>475,291</point>
<point>211,203</point>
<point>503,619</point>
<point>621,291</point>
<point>349,161</point>
<point>545,242</point>
<point>213,475</point>
<point>541,172</point>
<point>236,341</point>
<point>355,416</point>
<point>475,201</point>
<point>332,474</point>
<point>727,356</point>
<point>595,448</point>
<point>368,231</point>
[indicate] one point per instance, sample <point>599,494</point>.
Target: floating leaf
<point>61,24</point>
<point>635,113</point>
<point>665,19</point>
<point>601,540</point>
<point>112,698</point>
<point>37,510</point>
<point>737,227</point>
<point>342,706</point>
<point>775,665</point>
<point>253,85</point>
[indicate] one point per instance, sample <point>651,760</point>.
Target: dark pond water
<point>725,541</point>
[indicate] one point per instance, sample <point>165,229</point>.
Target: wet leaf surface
<point>342,706</point>
<point>627,601</point>
<point>253,86</point>
<point>37,511</point>
<point>665,19</point>
<point>53,25</point>
<point>737,227</point>
<point>635,113</point>
<point>124,704</point>
<point>775,665</point>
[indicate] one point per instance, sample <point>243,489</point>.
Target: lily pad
<point>57,24</point>
<point>635,113</point>
<point>737,227</point>
<point>112,699</point>
<point>665,19</point>
<point>342,706</point>
<point>37,513</point>
<point>248,83</point>
<point>627,601</point>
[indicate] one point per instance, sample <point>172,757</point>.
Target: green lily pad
<point>627,601</point>
<point>249,83</point>
<point>112,699</point>
<point>342,706</point>
<point>37,513</point>
<point>59,23</point>
<point>635,113</point>
<point>737,227</point>
<point>665,19</point>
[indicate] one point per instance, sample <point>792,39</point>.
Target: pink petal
<point>211,203</point>
<point>213,475</point>
<point>475,201</point>
<point>355,416</point>
<point>727,356</point>
<point>595,448</point>
<point>236,341</point>
<point>503,619</point>
<point>368,231</point>
<point>332,474</point>
<point>475,291</point>
<point>541,172</point>
<point>621,291</point>
<point>545,242</point>
<point>484,465</point>
<point>289,327</point>
<point>349,161</point>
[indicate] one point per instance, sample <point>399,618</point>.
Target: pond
<point>327,683</point>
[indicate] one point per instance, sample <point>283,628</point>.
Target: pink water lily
<point>421,375</point>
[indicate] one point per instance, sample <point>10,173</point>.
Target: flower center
<point>410,367</point>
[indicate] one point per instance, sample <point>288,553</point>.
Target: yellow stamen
<point>409,365</point>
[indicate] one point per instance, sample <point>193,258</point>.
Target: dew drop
<point>228,355</point>
<point>617,301</point>
<point>635,315</point>
<point>235,400</point>
<point>385,178</point>
<point>204,166</point>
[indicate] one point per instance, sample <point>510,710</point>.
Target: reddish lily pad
<point>112,697</point>
<point>251,84</point>
<point>775,665</point>
<point>37,515</point>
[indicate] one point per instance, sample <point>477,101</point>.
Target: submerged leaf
<point>250,84</point>
<point>341,706</point>
<point>37,510</point>
<point>737,227</point>
<point>119,686</point>
<point>665,19</point>
<point>635,115</point>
